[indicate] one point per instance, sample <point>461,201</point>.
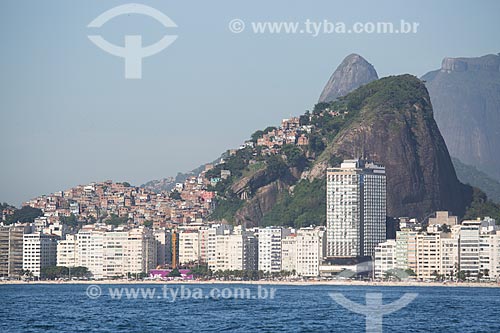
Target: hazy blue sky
<point>69,117</point>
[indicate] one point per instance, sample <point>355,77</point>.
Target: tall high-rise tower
<point>356,208</point>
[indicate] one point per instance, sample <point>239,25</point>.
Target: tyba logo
<point>132,52</point>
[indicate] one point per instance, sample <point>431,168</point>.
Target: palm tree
<point>27,273</point>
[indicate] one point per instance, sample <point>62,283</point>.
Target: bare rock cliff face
<point>465,94</point>
<point>353,72</point>
<point>265,198</point>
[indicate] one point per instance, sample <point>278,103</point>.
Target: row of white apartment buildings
<point>114,253</point>
<point>468,250</point>
<point>220,246</point>
<point>26,246</point>
<point>301,251</point>
<point>29,246</point>
<point>111,252</point>
<point>106,252</point>
<point>271,249</point>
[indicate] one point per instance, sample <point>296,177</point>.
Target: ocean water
<point>68,308</point>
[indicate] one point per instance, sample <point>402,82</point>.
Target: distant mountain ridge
<point>465,94</point>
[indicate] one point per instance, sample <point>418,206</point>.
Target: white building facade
<point>470,248</point>
<point>67,252</point>
<point>11,249</point>
<point>39,251</point>
<point>311,247</point>
<point>289,253</point>
<point>270,248</point>
<point>229,251</point>
<point>189,247</point>
<point>385,258</point>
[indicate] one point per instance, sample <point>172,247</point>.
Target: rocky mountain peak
<point>353,72</point>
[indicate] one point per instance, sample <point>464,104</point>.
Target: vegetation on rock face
<point>226,209</point>
<point>305,206</point>
<point>316,144</point>
<point>295,156</point>
<point>175,195</point>
<point>235,164</point>
<point>482,207</point>
<point>115,220</point>
<point>257,134</point>
<point>71,220</point>
<point>472,176</point>
<point>262,172</point>
<point>393,92</point>
<point>5,205</point>
<point>25,214</point>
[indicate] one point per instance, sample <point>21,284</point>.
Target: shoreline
<point>277,283</point>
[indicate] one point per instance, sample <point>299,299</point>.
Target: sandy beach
<point>284,283</point>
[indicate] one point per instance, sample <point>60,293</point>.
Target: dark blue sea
<point>68,308</point>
